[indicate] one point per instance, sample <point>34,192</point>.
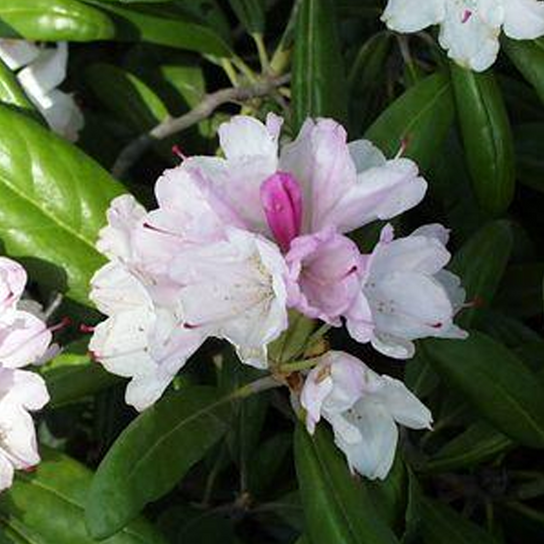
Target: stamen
<point>86,329</point>
<point>403,147</point>
<point>65,322</point>
<point>178,152</point>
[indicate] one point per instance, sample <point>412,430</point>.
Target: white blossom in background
<point>24,340</point>
<point>363,409</point>
<point>40,71</point>
<point>469,29</point>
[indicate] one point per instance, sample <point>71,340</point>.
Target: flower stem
<point>297,366</point>
<point>263,54</point>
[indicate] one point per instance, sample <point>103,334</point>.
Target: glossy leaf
<point>163,26</point>
<point>319,81</point>
<point>443,525</point>
<point>72,375</point>
<point>53,201</point>
<point>528,57</point>
<point>12,94</point>
<point>497,384</point>
<point>250,13</point>
<point>421,118</point>
<point>477,444</point>
<point>481,263</point>
<point>49,505</point>
<point>487,137</point>
<point>53,20</point>
<point>337,509</point>
<point>152,454</point>
<point>126,96</point>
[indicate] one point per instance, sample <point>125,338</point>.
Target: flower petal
<point>524,19</point>
<point>412,15</point>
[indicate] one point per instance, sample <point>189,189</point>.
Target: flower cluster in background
<point>469,29</point>
<point>40,71</point>
<point>237,241</point>
<point>24,340</point>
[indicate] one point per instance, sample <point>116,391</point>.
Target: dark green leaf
<point>153,454</point>
<point>520,294</point>
<point>319,80</point>
<point>250,13</point>
<point>53,201</point>
<point>12,94</point>
<point>53,20</point>
<point>163,26</point>
<point>126,96</point>
<point>477,444</point>
<point>481,263</point>
<point>497,384</point>
<point>528,57</point>
<point>529,157</point>
<point>72,375</point>
<point>443,525</point>
<point>421,117</point>
<point>487,137</point>
<point>49,503</point>
<point>337,509</point>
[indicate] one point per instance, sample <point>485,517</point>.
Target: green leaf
<point>49,503</point>
<point>53,20</point>
<point>319,81</point>
<point>475,445</point>
<point>443,525</point>
<point>528,57</point>
<point>72,375</point>
<point>481,263</point>
<point>152,454</point>
<point>530,161</point>
<point>337,509</point>
<point>421,117</point>
<point>487,137</point>
<point>520,294</point>
<point>53,201</point>
<point>12,94</point>
<point>126,96</point>
<point>250,13</point>
<point>497,384</point>
<point>366,79</point>
<point>163,26</point>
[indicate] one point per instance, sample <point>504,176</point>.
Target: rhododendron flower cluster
<point>238,240</point>
<point>469,29</point>
<point>24,340</point>
<point>40,71</point>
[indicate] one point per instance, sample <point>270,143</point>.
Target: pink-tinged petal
<point>6,472</point>
<point>281,198</point>
<point>28,390</point>
<point>115,240</point>
<point>244,136</point>
<point>381,192</point>
<point>359,320</point>
<point>524,19</point>
<point>17,53</point>
<point>46,72</point>
<point>23,338</point>
<point>373,454</point>
<point>13,279</point>
<point>316,389</point>
<point>403,405</point>
<point>321,162</point>
<point>413,15</point>
<point>323,275</point>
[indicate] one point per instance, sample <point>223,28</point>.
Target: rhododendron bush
<point>271,271</point>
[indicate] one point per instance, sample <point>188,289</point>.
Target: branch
<point>130,154</point>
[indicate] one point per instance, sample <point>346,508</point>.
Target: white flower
<point>20,392</point>
<point>469,29</point>
<point>44,70</point>
<point>405,293</point>
<point>363,409</point>
<point>235,289</point>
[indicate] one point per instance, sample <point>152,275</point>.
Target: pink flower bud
<point>281,198</point>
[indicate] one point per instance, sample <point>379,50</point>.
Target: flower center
<point>281,198</point>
